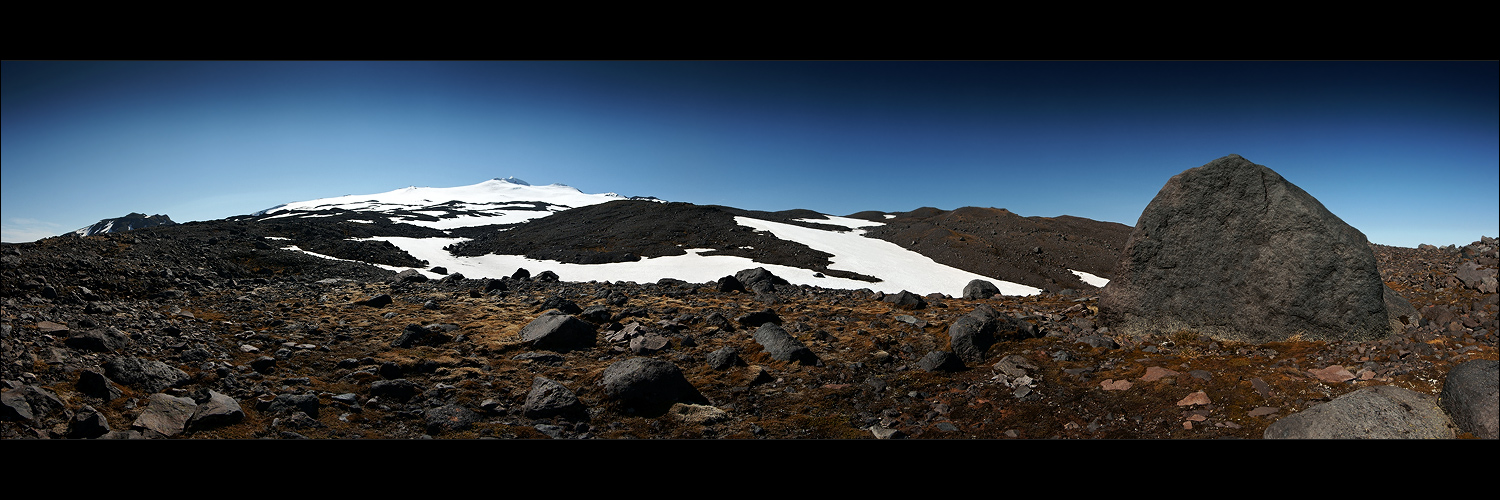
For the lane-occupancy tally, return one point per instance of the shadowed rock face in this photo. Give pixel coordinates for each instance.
(1233, 250)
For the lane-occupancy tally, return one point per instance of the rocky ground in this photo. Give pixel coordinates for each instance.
(206, 331)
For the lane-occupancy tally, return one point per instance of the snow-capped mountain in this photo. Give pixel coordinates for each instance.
(495, 201)
(493, 228)
(128, 222)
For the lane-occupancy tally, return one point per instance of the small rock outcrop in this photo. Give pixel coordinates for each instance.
(1233, 250)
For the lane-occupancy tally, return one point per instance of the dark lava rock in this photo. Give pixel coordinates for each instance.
(450, 418)
(940, 361)
(87, 423)
(95, 384)
(1376, 412)
(970, 336)
(98, 340)
(758, 318)
(217, 410)
(399, 389)
(980, 289)
(724, 358)
(550, 398)
(649, 385)
(1471, 396)
(782, 346)
(1233, 250)
(289, 403)
(559, 332)
(906, 300)
(146, 375)
(377, 301)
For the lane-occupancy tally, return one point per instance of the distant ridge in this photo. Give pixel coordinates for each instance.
(128, 222)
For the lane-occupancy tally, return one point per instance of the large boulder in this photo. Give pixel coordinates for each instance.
(1471, 395)
(1232, 250)
(1376, 412)
(648, 385)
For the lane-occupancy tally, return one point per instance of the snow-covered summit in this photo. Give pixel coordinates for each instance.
(495, 201)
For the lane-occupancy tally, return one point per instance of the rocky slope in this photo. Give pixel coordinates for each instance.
(209, 331)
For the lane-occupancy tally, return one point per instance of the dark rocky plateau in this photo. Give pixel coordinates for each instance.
(110, 336)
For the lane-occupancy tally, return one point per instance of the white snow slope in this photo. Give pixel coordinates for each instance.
(495, 201)
(487, 202)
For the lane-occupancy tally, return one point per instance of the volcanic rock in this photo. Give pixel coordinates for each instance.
(1376, 412)
(558, 332)
(980, 289)
(648, 384)
(548, 398)
(1471, 396)
(782, 346)
(1233, 250)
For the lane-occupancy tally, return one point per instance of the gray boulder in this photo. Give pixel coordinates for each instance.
(449, 418)
(906, 300)
(1233, 250)
(166, 415)
(649, 385)
(144, 374)
(970, 336)
(217, 410)
(980, 289)
(549, 398)
(940, 361)
(559, 332)
(1471, 396)
(782, 346)
(1378, 412)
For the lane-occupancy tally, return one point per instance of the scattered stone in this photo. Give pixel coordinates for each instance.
(980, 289)
(1197, 398)
(87, 423)
(217, 410)
(166, 415)
(559, 332)
(758, 318)
(1154, 373)
(697, 414)
(782, 346)
(377, 301)
(724, 358)
(1333, 374)
(550, 398)
(906, 300)
(941, 361)
(399, 389)
(449, 418)
(1114, 385)
(971, 335)
(147, 375)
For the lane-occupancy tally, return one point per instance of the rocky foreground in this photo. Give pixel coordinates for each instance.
(207, 331)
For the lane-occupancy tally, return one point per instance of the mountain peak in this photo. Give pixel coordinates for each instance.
(130, 221)
(513, 180)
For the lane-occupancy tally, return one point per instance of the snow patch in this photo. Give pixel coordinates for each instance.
(1090, 279)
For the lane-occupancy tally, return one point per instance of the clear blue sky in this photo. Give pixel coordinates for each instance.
(1404, 151)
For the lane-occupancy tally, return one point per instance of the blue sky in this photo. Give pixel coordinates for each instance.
(1406, 152)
